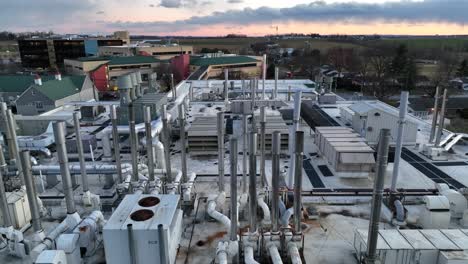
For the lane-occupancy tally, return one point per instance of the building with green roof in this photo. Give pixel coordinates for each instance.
(213, 67)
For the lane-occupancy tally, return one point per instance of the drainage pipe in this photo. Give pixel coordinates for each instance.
(262, 145)
(59, 133)
(399, 141)
(233, 189)
(441, 120)
(253, 182)
(25, 159)
(183, 143)
(220, 127)
(434, 115)
(149, 143)
(116, 140)
(166, 143)
(79, 146)
(382, 160)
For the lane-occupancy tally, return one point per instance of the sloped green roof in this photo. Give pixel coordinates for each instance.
(221, 60)
(18, 83)
(93, 59)
(132, 60)
(56, 90)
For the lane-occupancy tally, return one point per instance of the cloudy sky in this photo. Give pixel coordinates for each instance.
(252, 17)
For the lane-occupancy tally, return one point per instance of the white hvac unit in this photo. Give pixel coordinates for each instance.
(132, 230)
(19, 209)
(458, 202)
(453, 257)
(436, 213)
(52, 257)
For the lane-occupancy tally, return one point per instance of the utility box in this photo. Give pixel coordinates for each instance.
(134, 224)
(19, 209)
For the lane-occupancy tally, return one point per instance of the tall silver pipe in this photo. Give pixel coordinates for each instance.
(253, 182)
(191, 92)
(442, 119)
(149, 143)
(275, 175)
(79, 146)
(183, 142)
(377, 196)
(435, 115)
(243, 89)
(3, 198)
(11, 148)
(226, 87)
(59, 133)
(133, 142)
(131, 244)
(253, 92)
(173, 88)
(163, 247)
(262, 145)
(299, 152)
(399, 143)
(220, 127)
(294, 128)
(116, 140)
(264, 70)
(275, 92)
(31, 191)
(167, 144)
(14, 142)
(289, 93)
(233, 161)
(244, 153)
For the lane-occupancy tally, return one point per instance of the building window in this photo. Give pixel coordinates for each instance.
(39, 105)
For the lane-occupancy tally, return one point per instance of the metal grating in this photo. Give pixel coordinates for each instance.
(316, 117)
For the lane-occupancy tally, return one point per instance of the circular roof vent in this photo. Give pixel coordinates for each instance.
(141, 215)
(149, 201)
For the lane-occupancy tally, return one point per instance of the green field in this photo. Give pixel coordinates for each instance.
(454, 44)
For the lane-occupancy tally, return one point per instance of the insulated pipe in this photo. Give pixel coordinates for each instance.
(253, 182)
(31, 191)
(262, 145)
(14, 141)
(166, 143)
(295, 127)
(244, 153)
(220, 127)
(233, 189)
(299, 149)
(275, 92)
(294, 253)
(79, 146)
(400, 211)
(49, 241)
(275, 174)
(376, 207)
(441, 120)
(183, 143)
(59, 134)
(265, 209)
(131, 245)
(116, 140)
(274, 254)
(264, 70)
(133, 142)
(3, 199)
(249, 255)
(434, 115)
(149, 143)
(211, 210)
(399, 141)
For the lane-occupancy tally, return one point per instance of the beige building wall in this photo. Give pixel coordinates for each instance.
(165, 52)
(115, 51)
(77, 67)
(123, 35)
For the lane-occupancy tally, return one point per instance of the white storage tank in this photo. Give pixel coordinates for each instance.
(458, 202)
(143, 213)
(436, 213)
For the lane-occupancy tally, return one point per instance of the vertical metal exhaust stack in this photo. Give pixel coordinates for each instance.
(226, 87)
(133, 142)
(275, 93)
(31, 191)
(264, 70)
(292, 140)
(244, 153)
(233, 161)
(262, 145)
(173, 88)
(220, 127)
(376, 207)
(275, 175)
(299, 152)
(399, 143)
(440, 129)
(166, 143)
(435, 115)
(3, 198)
(253, 182)
(116, 140)
(14, 143)
(149, 143)
(59, 133)
(79, 146)
(183, 142)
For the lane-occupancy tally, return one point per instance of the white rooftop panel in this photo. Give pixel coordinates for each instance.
(439, 240)
(381, 244)
(394, 239)
(457, 236)
(417, 240)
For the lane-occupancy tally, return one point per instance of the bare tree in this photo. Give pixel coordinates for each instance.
(446, 69)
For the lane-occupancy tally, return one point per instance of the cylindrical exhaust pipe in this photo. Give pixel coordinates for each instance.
(149, 143)
(299, 152)
(440, 129)
(116, 140)
(275, 175)
(220, 127)
(233, 161)
(244, 153)
(7, 222)
(7, 135)
(191, 92)
(183, 142)
(59, 133)
(382, 160)
(275, 93)
(264, 70)
(133, 142)
(294, 128)
(262, 145)
(399, 143)
(167, 144)
(163, 247)
(14, 142)
(31, 191)
(131, 244)
(435, 115)
(79, 146)
(173, 88)
(253, 182)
